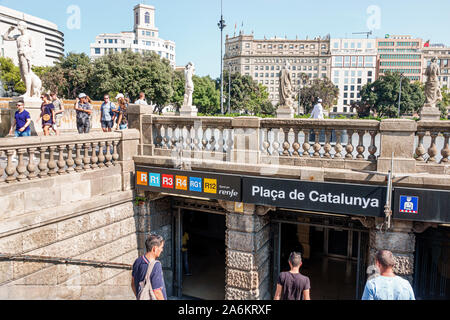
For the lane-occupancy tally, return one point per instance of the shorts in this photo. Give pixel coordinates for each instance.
(84, 126)
(123, 126)
(26, 133)
(107, 124)
(57, 124)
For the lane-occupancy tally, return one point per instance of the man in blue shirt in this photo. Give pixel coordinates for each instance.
(108, 115)
(154, 246)
(387, 286)
(21, 122)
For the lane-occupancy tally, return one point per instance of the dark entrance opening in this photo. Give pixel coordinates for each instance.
(205, 255)
(334, 252)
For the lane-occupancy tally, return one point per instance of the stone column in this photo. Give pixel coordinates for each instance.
(247, 254)
(127, 149)
(401, 241)
(397, 137)
(246, 148)
(140, 118)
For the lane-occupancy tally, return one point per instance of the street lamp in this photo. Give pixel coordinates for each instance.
(221, 26)
(229, 88)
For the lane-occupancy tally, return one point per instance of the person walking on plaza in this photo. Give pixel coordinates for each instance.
(122, 121)
(317, 112)
(141, 99)
(59, 111)
(107, 114)
(293, 285)
(21, 123)
(147, 272)
(387, 286)
(84, 110)
(47, 114)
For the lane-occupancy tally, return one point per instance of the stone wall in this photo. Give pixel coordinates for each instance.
(86, 216)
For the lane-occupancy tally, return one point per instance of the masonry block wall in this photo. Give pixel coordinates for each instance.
(86, 216)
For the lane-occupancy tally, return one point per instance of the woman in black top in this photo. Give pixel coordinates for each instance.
(47, 114)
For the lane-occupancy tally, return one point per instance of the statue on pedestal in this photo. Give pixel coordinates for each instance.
(285, 88)
(189, 86)
(432, 86)
(24, 41)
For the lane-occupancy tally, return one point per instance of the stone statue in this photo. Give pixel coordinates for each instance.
(189, 87)
(432, 87)
(285, 88)
(25, 50)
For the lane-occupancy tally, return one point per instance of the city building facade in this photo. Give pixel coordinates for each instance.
(402, 54)
(263, 59)
(442, 52)
(143, 38)
(353, 66)
(48, 41)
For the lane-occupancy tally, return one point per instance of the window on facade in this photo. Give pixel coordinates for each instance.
(147, 18)
(347, 61)
(97, 50)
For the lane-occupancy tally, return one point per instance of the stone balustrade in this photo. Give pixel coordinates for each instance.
(32, 158)
(432, 146)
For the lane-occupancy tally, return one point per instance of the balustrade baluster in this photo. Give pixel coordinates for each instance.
(230, 142)
(31, 164)
(94, 157)
(70, 162)
(158, 136)
(87, 158)
(317, 147)
(286, 144)
(204, 138)
(306, 146)
(338, 146)
(373, 148)
(446, 150)
(79, 158)
(52, 166)
(2, 171)
(115, 155)
(101, 155)
(296, 145)
(349, 148)
(61, 162)
(220, 142)
(327, 147)
(108, 154)
(432, 151)
(21, 167)
(361, 149)
(166, 137)
(10, 168)
(173, 139)
(42, 163)
(420, 151)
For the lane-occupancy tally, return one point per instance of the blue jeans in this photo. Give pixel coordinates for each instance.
(26, 133)
(185, 262)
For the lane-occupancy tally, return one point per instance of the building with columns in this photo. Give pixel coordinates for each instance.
(143, 38)
(263, 59)
(48, 41)
(353, 66)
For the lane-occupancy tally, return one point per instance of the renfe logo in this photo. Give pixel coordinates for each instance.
(142, 178)
(181, 183)
(211, 186)
(195, 184)
(155, 180)
(167, 181)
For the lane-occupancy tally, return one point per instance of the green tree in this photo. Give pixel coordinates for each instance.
(318, 88)
(131, 73)
(206, 97)
(178, 84)
(247, 96)
(10, 76)
(382, 96)
(444, 105)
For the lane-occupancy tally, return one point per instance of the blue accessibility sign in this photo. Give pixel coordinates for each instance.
(409, 204)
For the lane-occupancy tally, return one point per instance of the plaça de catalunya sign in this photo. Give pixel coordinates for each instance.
(314, 196)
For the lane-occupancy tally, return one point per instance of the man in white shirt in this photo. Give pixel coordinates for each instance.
(317, 113)
(141, 99)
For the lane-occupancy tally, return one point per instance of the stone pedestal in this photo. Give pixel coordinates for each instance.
(430, 113)
(247, 255)
(285, 112)
(188, 111)
(33, 106)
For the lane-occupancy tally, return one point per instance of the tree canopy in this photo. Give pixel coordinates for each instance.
(318, 88)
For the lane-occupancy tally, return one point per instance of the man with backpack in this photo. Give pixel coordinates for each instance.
(147, 281)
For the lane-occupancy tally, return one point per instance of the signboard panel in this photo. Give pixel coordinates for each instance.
(338, 198)
(422, 205)
(189, 183)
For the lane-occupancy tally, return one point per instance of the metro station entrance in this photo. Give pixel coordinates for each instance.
(334, 250)
(201, 260)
